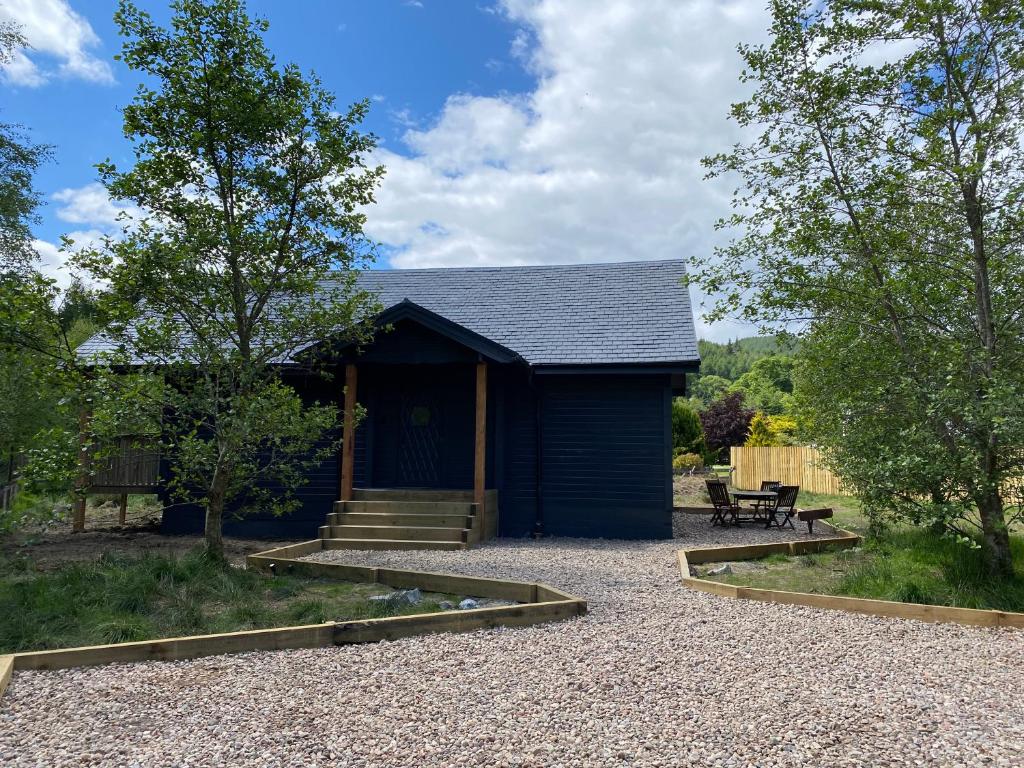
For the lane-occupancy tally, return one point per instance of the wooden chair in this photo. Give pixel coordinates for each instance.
(766, 485)
(780, 514)
(722, 502)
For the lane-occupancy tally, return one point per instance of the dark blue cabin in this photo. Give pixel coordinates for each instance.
(579, 365)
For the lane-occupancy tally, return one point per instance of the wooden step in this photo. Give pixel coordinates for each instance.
(390, 544)
(398, 507)
(410, 494)
(412, 519)
(392, 532)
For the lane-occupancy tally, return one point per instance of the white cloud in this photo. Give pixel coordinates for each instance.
(53, 30)
(601, 162)
(90, 205)
(53, 261)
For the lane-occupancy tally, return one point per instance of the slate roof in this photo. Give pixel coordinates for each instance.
(623, 313)
(626, 313)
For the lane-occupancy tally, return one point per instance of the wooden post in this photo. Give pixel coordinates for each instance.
(82, 481)
(480, 457)
(348, 446)
(122, 514)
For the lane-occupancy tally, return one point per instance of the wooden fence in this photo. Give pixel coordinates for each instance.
(10, 479)
(8, 493)
(790, 465)
(133, 466)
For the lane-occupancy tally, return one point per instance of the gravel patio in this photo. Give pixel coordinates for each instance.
(656, 675)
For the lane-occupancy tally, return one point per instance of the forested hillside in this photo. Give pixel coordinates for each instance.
(743, 394)
(734, 358)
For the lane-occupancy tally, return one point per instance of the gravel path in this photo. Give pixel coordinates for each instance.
(656, 675)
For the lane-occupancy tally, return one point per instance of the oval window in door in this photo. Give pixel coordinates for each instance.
(420, 416)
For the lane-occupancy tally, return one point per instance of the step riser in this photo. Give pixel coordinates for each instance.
(381, 544)
(402, 507)
(402, 494)
(392, 532)
(409, 521)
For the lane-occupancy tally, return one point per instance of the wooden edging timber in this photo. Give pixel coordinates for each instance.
(845, 539)
(6, 669)
(536, 604)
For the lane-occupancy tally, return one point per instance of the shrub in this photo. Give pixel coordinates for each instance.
(687, 461)
(726, 423)
(761, 434)
(784, 428)
(687, 432)
(767, 430)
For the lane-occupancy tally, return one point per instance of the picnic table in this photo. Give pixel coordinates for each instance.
(759, 498)
(754, 495)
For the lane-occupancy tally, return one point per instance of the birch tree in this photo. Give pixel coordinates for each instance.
(247, 192)
(878, 212)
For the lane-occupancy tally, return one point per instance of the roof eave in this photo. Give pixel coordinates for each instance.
(659, 367)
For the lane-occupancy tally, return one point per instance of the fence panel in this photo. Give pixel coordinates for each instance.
(134, 466)
(8, 493)
(791, 465)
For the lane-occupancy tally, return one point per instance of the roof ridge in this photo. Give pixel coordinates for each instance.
(514, 267)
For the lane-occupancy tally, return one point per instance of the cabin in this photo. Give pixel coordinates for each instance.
(509, 401)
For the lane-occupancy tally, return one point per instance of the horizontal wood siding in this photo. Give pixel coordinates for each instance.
(517, 485)
(315, 497)
(606, 466)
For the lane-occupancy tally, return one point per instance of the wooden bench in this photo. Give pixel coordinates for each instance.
(810, 515)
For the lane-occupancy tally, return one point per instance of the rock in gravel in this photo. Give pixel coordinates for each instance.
(400, 597)
(656, 675)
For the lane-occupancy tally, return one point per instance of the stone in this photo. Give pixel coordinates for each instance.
(722, 570)
(468, 603)
(401, 597)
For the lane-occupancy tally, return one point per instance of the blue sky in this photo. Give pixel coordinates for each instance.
(404, 57)
(513, 131)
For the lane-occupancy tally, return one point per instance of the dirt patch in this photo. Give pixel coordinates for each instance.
(51, 546)
(690, 490)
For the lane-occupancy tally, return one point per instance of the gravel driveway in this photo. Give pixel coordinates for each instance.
(655, 675)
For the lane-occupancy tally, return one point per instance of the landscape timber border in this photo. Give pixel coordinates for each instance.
(535, 604)
(845, 539)
(6, 669)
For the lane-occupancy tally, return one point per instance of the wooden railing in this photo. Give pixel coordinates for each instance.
(10, 479)
(790, 465)
(8, 493)
(132, 466)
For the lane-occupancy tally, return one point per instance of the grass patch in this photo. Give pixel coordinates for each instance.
(908, 566)
(122, 598)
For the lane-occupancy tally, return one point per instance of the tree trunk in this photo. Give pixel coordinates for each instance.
(215, 514)
(995, 534)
